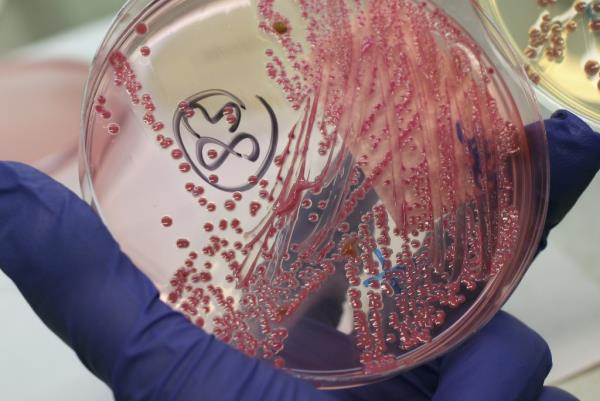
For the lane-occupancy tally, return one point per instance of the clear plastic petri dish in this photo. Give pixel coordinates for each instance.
(345, 189)
(559, 43)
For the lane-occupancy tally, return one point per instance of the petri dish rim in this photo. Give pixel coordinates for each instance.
(488, 302)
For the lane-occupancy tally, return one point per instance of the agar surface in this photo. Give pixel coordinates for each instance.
(549, 36)
(411, 212)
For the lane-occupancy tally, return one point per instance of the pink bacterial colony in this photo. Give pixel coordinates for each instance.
(400, 89)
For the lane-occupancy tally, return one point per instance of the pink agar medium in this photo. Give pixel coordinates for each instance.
(412, 212)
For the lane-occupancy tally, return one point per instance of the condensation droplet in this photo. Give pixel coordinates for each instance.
(183, 243)
(212, 154)
(114, 128)
(177, 154)
(280, 27)
(344, 227)
(592, 67)
(141, 28)
(254, 208)
(229, 205)
(157, 126)
(223, 224)
(197, 191)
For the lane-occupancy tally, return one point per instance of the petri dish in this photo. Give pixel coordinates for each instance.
(345, 189)
(559, 43)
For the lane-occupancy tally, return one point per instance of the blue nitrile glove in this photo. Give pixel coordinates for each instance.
(73, 274)
(574, 161)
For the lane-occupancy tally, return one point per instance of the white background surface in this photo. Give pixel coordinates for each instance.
(559, 297)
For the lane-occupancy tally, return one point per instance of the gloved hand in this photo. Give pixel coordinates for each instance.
(73, 274)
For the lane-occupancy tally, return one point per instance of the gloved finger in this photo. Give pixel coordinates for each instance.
(73, 274)
(416, 385)
(505, 361)
(555, 394)
(574, 160)
(574, 150)
(570, 152)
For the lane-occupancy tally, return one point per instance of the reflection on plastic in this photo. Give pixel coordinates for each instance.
(39, 112)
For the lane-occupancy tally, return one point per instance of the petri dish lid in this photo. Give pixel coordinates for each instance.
(346, 189)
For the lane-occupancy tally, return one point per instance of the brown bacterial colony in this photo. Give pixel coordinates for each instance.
(413, 211)
(548, 38)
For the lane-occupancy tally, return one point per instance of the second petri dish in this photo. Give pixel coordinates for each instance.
(559, 43)
(346, 189)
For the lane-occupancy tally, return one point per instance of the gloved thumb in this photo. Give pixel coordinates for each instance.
(574, 150)
(75, 277)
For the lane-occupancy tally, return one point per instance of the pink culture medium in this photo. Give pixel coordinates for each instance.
(344, 188)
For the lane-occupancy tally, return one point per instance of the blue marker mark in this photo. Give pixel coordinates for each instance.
(590, 12)
(372, 279)
(393, 281)
(459, 132)
(379, 255)
(472, 146)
